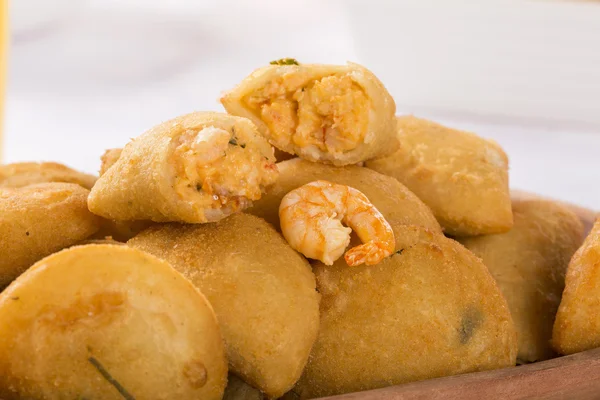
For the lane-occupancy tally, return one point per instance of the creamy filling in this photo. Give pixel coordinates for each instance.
(227, 172)
(329, 115)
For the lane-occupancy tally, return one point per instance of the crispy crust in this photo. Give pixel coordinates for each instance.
(430, 310)
(28, 173)
(38, 220)
(529, 264)
(398, 205)
(577, 324)
(94, 310)
(141, 184)
(461, 176)
(263, 293)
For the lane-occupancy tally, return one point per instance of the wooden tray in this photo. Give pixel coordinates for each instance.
(572, 377)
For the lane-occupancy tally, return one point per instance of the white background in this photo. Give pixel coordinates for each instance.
(89, 75)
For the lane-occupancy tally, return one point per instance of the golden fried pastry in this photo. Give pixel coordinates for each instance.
(529, 264)
(110, 322)
(461, 176)
(430, 310)
(335, 114)
(28, 173)
(120, 231)
(38, 220)
(577, 324)
(397, 204)
(237, 389)
(196, 168)
(108, 159)
(263, 293)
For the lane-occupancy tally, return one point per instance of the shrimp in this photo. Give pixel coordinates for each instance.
(312, 218)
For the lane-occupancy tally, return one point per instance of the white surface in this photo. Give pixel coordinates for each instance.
(115, 70)
(534, 59)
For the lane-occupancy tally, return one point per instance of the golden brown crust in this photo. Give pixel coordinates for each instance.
(379, 138)
(108, 159)
(263, 293)
(430, 310)
(91, 313)
(577, 324)
(398, 205)
(462, 177)
(143, 184)
(28, 173)
(38, 220)
(529, 264)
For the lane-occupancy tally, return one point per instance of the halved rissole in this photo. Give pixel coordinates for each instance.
(335, 114)
(196, 168)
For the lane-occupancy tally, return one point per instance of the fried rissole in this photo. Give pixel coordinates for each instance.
(462, 177)
(38, 220)
(110, 322)
(430, 310)
(199, 167)
(263, 293)
(577, 324)
(21, 174)
(529, 264)
(398, 205)
(334, 114)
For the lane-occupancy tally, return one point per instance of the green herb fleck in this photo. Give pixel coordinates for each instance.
(233, 141)
(400, 251)
(106, 375)
(285, 61)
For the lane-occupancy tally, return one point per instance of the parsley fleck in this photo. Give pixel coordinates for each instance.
(233, 141)
(106, 375)
(285, 61)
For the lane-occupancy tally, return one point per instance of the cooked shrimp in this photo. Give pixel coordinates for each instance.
(312, 218)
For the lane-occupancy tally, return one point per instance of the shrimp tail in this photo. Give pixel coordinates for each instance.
(369, 253)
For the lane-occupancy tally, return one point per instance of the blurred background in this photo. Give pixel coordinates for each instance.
(87, 75)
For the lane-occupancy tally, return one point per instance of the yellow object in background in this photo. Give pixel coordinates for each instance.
(3, 62)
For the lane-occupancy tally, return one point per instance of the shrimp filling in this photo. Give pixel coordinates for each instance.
(329, 115)
(225, 170)
(311, 218)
